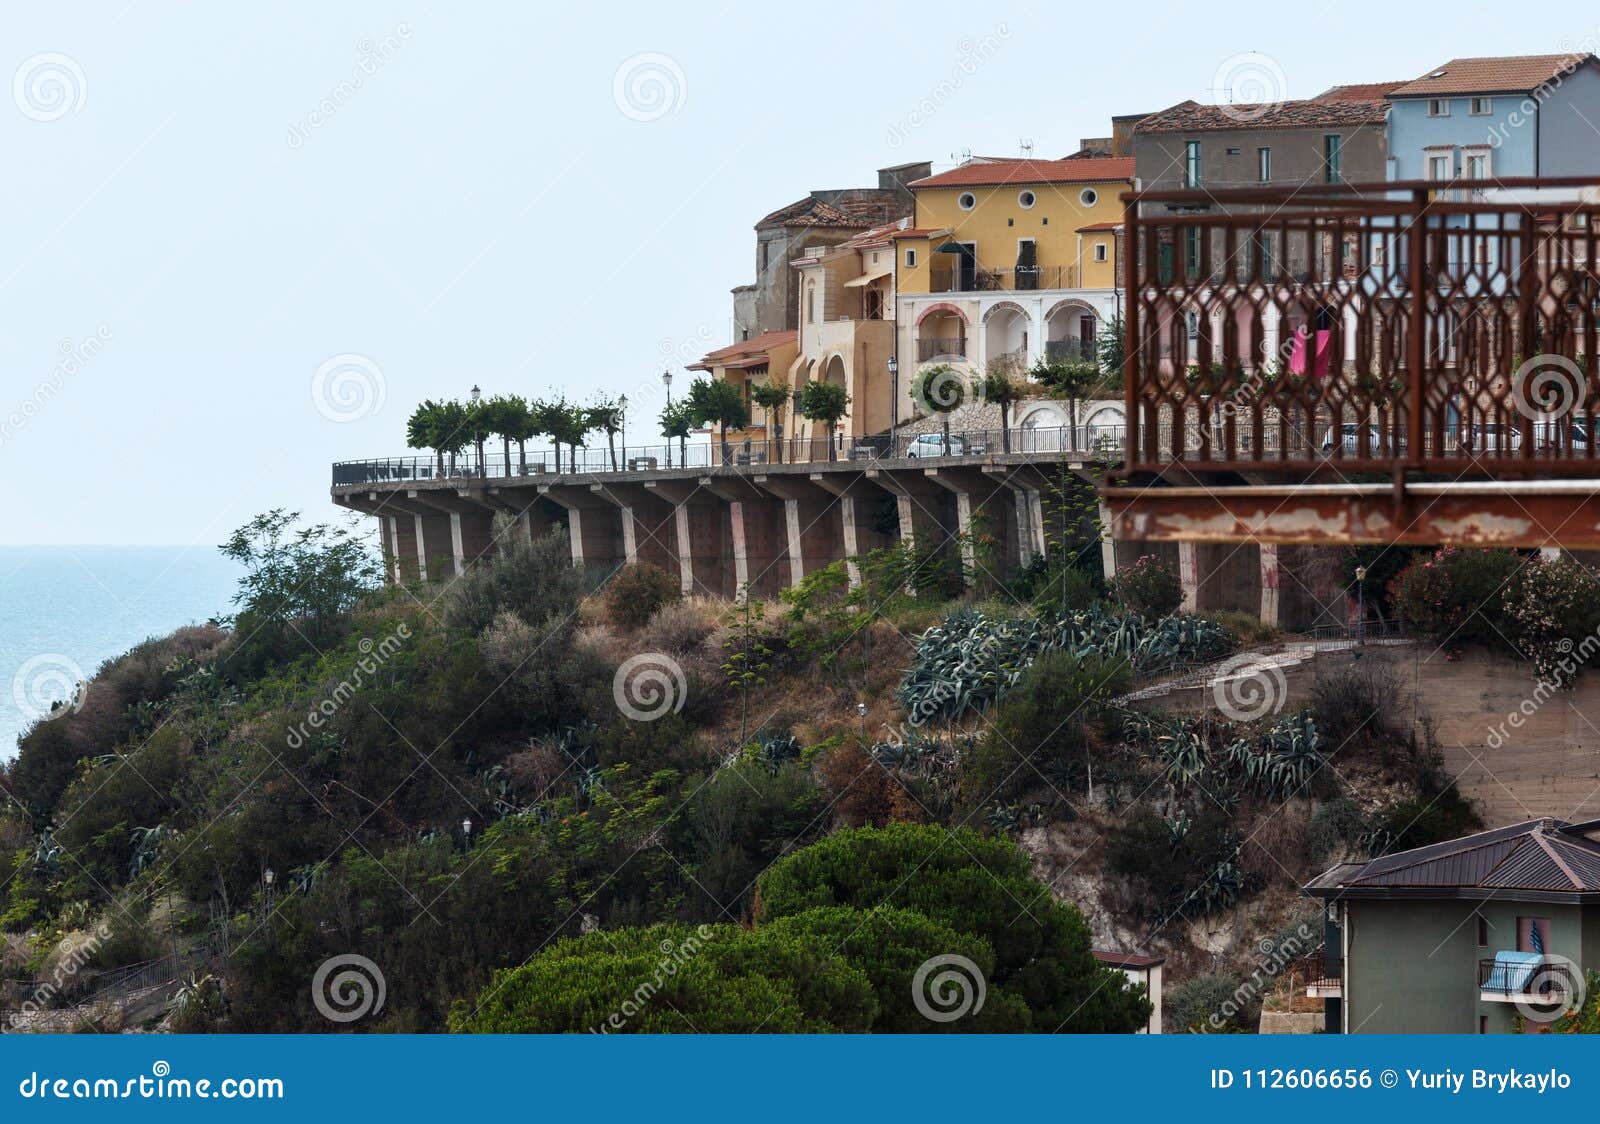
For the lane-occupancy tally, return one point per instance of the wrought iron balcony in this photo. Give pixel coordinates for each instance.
(941, 347)
(1523, 977)
(1018, 279)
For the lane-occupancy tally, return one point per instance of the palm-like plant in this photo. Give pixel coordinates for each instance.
(998, 385)
(824, 402)
(606, 416)
(940, 389)
(677, 419)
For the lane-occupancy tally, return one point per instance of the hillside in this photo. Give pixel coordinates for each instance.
(491, 792)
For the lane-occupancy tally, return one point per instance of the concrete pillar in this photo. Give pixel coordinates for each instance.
(753, 533)
(422, 548)
(646, 522)
(391, 547)
(1270, 576)
(1189, 575)
(855, 495)
(1108, 545)
(594, 526)
(978, 494)
(457, 550)
(701, 527)
(813, 535)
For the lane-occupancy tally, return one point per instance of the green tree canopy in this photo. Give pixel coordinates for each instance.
(718, 402)
(825, 402)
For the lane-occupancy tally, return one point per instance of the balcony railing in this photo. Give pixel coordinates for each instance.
(1019, 279)
(1102, 443)
(1510, 977)
(1413, 332)
(941, 347)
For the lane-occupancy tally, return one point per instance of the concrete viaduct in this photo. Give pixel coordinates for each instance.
(760, 528)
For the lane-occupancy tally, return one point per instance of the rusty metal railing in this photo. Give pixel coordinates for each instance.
(1393, 328)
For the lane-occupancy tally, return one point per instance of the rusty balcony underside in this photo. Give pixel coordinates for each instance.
(1397, 362)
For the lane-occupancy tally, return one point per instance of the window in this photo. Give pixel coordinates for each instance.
(1191, 251)
(1191, 164)
(765, 246)
(1483, 931)
(1483, 1024)
(1476, 164)
(966, 201)
(1026, 200)
(811, 305)
(1481, 107)
(1234, 151)
(911, 259)
(1264, 165)
(1089, 197)
(1099, 251)
(1332, 147)
(1533, 934)
(1441, 167)
(1438, 107)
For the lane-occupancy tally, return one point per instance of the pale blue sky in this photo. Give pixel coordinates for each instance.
(482, 210)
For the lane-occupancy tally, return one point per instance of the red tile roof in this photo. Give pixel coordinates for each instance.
(735, 353)
(812, 211)
(1099, 226)
(1320, 112)
(1512, 74)
(920, 232)
(877, 236)
(986, 173)
(1365, 91)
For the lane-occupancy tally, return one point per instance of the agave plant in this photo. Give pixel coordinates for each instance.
(146, 842)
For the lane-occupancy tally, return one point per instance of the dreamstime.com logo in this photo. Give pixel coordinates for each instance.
(348, 987)
(1547, 387)
(649, 686)
(649, 86)
(49, 686)
(47, 87)
(1550, 990)
(157, 1085)
(348, 387)
(1248, 687)
(948, 987)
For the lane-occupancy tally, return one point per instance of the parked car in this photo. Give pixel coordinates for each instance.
(1350, 441)
(932, 445)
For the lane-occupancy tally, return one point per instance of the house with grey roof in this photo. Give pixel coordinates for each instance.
(1485, 934)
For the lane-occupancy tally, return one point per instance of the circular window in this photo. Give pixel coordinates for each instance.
(967, 201)
(1026, 199)
(1089, 197)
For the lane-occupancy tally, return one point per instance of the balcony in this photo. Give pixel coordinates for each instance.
(1022, 279)
(1323, 400)
(1528, 977)
(1323, 976)
(941, 347)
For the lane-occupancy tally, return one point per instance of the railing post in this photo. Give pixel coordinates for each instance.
(1416, 343)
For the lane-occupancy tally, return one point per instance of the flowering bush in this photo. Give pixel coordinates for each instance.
(1552, 612)
(1149, 587)
(1453, 595)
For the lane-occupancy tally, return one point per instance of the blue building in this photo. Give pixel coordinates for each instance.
(1498, 118)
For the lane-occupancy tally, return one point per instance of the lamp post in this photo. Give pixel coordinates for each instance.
(666, 381)
(475, 397)
(861, 712)
(466, 832)
(894, 402)
(1361, 609)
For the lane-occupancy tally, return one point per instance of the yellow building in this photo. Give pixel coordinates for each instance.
(745, 364)
(1011, 260)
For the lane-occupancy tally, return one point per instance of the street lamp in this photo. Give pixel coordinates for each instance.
(894, 401)
(268, 876)
(1361, 609)
(476, 395)
(666, 381)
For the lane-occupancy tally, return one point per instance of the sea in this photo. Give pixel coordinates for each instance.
(66, 609)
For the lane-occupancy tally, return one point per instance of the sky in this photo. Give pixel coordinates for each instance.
(244, 241)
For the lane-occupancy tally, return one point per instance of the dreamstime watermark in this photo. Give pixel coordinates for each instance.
(649, 686)
(348, 987)
(49, 686)
(158, 1084)
(1276, 956)
(373, 657)
(75, 356)
(948, 987)
(348, 387)
(1547, 387)
(76, 959)
(673, 957)
(1525, 111)
(1547, 990)
(371, 56)
(1249, 686)
(970, 57)
(649, 86)
(1251, 86)
(49, 86)
(1572, 660)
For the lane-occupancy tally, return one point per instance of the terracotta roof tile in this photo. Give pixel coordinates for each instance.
(755, 346)
(812, 211)
(1320, 112)
(1511, 74)
(1365, 91)
(1099, 226)
(986, 173)
(920, 232)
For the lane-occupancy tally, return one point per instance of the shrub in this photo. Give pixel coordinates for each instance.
(1216, 1003)
(535, 580)
(1148, 587)
(1552, 606)
(1356, 703)
(1420, 821)
(1051, 724)
(1186, 866)
(1454, 594)
(1336, 824)
(637, 592)
(683, 626)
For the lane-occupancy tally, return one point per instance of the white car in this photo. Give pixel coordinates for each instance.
(932, 445)
(1350, 441)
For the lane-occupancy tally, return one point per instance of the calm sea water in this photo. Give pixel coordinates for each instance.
(64, 609)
